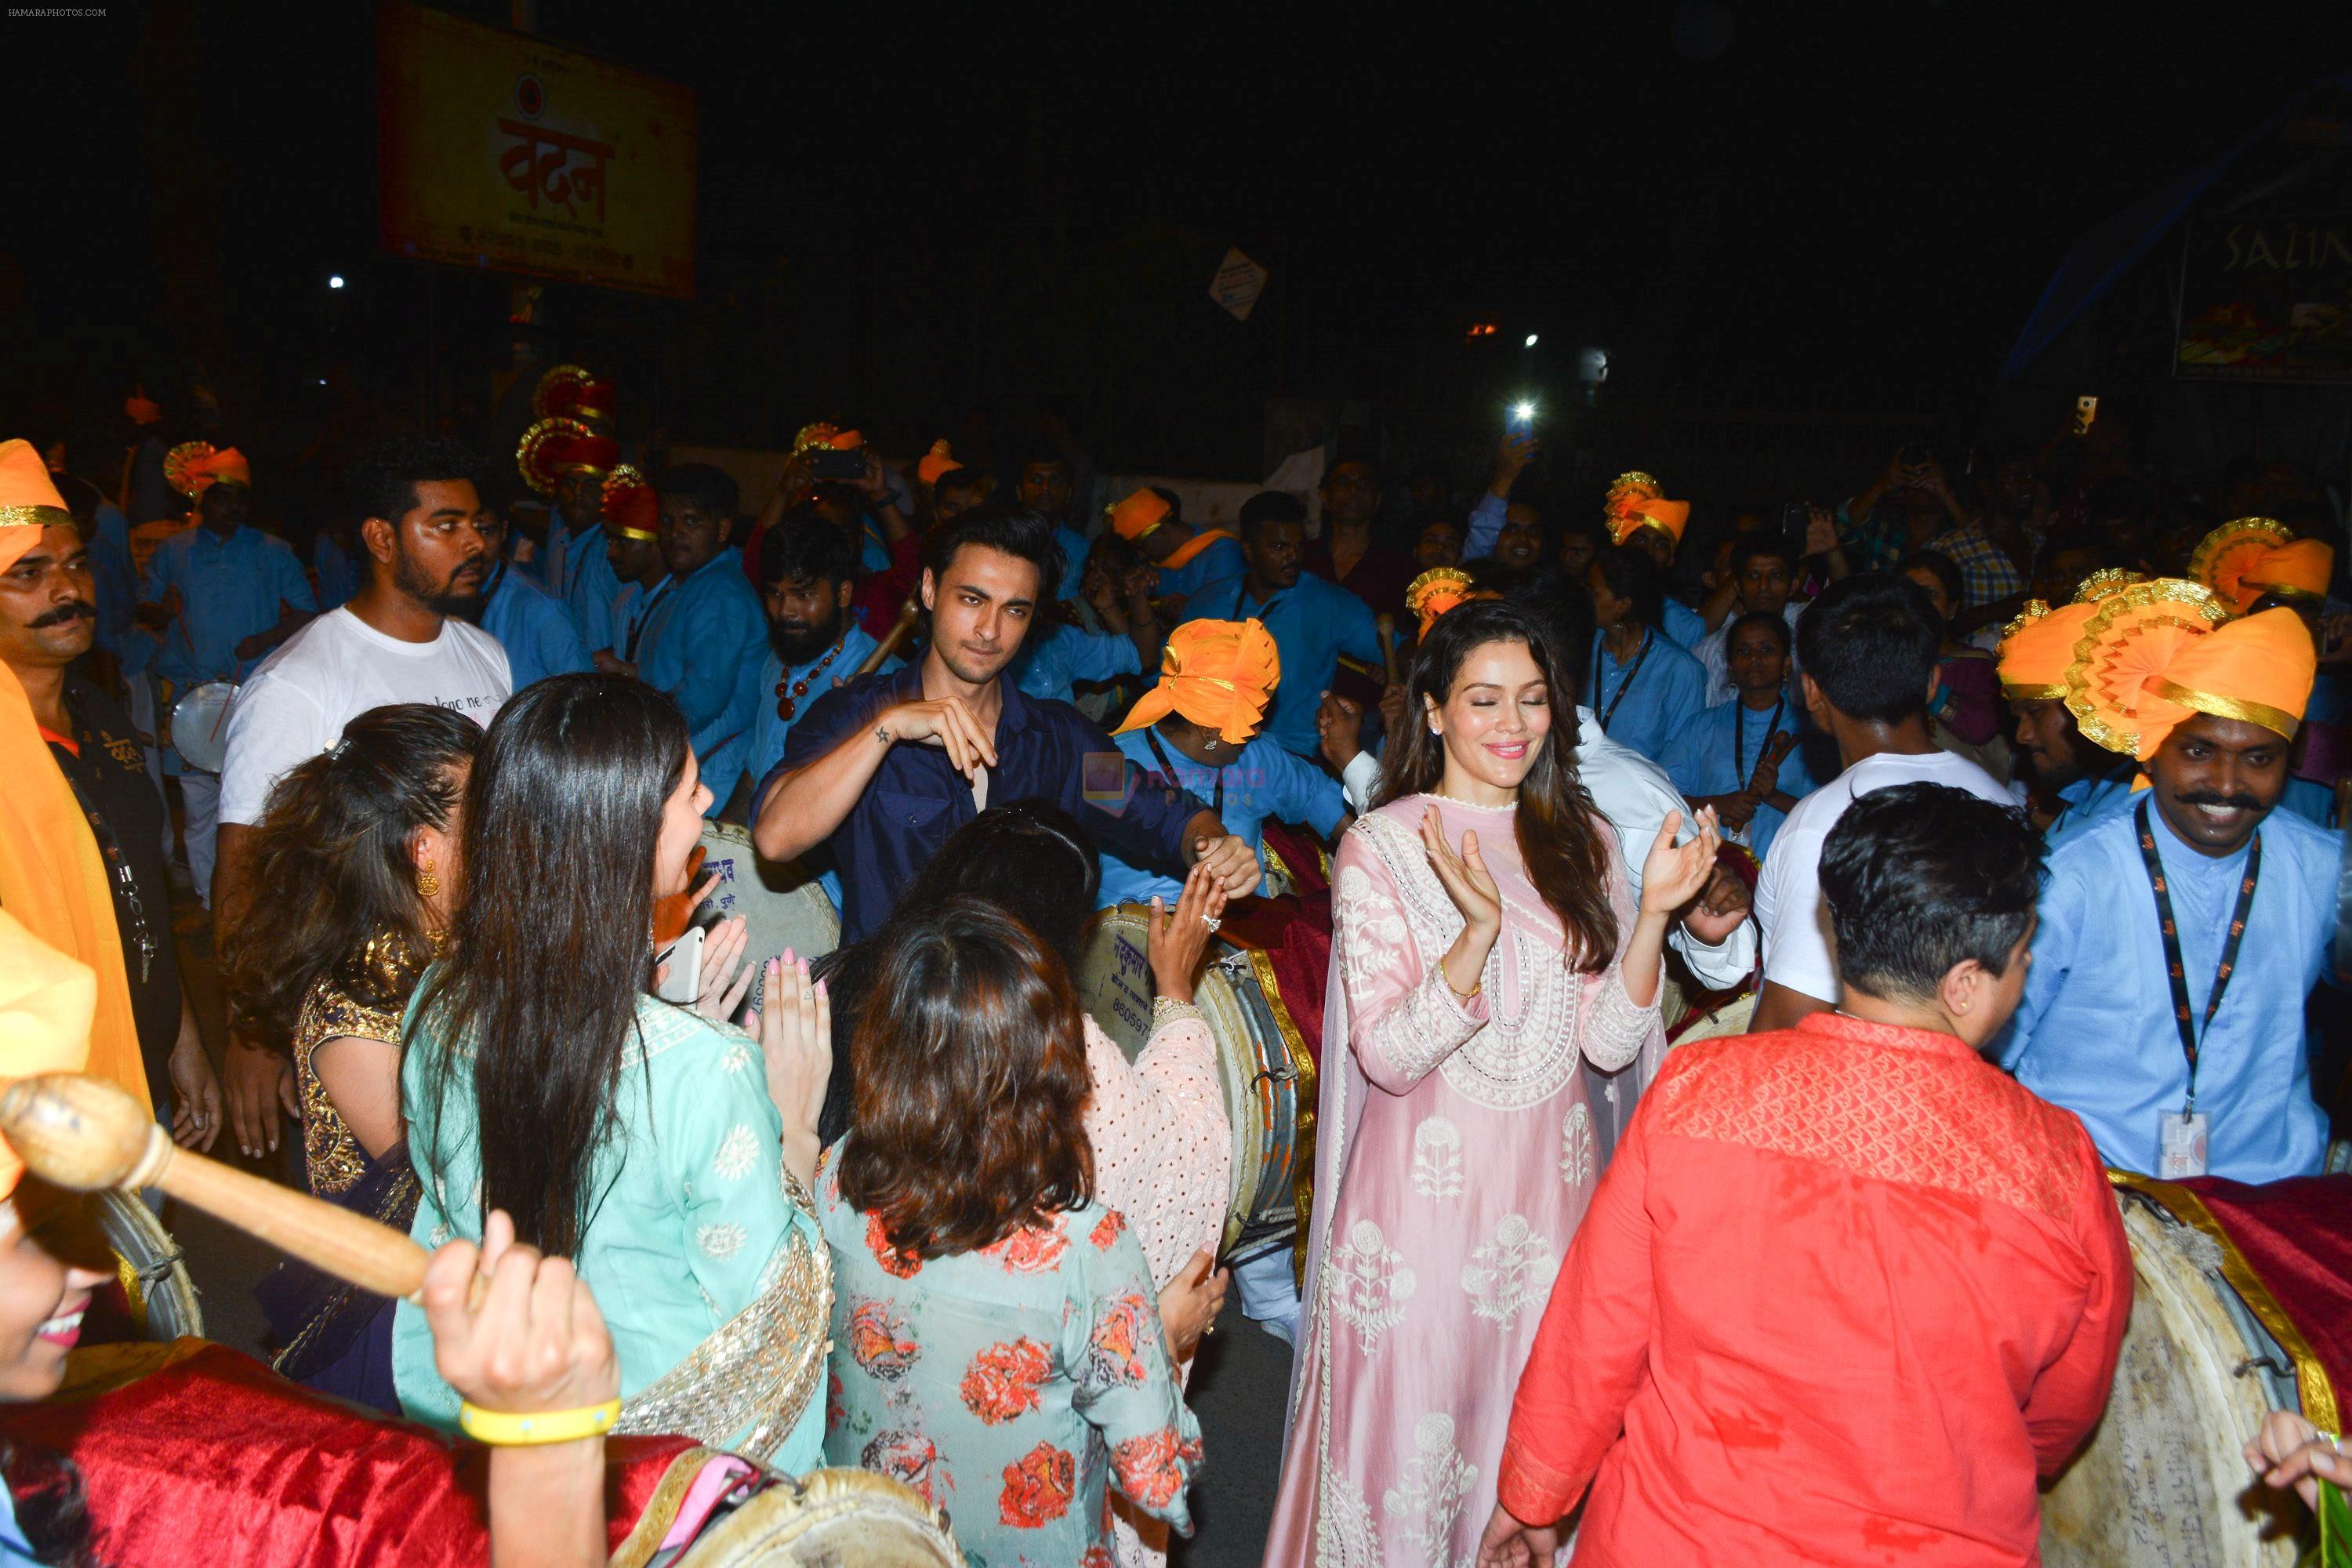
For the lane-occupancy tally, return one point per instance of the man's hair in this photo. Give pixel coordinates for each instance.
(1756, 541)
(1870, 642)
(1631, 574)
(1564, 607)
(712, 490)
(1270, 506)
(961, 479)
(1009, 529)
(1756, 618)
(1922, 877)
(383, 481)
(1039, 456)
(805, 543)
(1944, 569)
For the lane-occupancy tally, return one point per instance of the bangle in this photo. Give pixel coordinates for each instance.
(502, 1430)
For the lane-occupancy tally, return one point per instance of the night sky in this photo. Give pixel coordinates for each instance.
(907, 216)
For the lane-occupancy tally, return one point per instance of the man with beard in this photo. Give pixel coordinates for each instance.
(1313, 620)
(401, 639)
(217, 599)
(2172, 1020)
(2082, 782)
(48, 619)
(808, 573)
(703, 625)
(883, 769)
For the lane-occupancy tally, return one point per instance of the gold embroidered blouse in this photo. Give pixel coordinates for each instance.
(335, 1158)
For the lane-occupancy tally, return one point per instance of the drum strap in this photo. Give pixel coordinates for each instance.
(118, 868)
(2173, 967)
(1169, 769)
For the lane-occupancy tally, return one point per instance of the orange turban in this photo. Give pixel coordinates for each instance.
(631, 509)
(2258, 670)
(1435, 591)
(29, 501)
(2131, 637)
(2299, 569)
(1218, 674)
(47, 1002)
(227, 467)
(1137, 515)
(936, 462)
(2037, 648)
(1639, 512)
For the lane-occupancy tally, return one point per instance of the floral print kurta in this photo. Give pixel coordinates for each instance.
(1011, 1386)
(1458, 1154)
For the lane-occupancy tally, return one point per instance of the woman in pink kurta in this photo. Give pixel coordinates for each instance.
(1458, 1149)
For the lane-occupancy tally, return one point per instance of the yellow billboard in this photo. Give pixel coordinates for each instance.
(497, 151)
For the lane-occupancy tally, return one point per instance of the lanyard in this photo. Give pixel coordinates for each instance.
(118, 870)
(2172, 962)
(1639, 658)
(1739, 735)
(646, 613)
(1264, 610)
(1168, 768)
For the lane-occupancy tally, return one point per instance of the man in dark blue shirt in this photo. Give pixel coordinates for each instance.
(885, 767)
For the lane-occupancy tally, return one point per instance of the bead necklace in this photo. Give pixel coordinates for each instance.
(789, 702)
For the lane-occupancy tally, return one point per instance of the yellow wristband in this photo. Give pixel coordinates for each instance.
(506, 1431)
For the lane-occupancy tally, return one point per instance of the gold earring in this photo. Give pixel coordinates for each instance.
(428, 886)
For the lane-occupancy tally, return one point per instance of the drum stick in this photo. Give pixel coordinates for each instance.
(85, 1134)
(901, 630)
(1391, 654)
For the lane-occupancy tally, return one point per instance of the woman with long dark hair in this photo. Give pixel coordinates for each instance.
(358, 847)
(1485, 944)
(995, 1341)
(666, 1154)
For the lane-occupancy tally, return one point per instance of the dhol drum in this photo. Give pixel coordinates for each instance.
(828, 1519)
(197, 727)
(1258, 1063)
(154, 1277)
(2163, 1482)
(783, 907)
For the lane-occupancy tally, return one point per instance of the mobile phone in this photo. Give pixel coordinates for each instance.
(829, 464)
(1523, 414)
(1797, 526)
(2086, 409)
(684, 957)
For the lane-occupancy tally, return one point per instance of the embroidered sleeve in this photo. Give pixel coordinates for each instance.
(1404, 1020)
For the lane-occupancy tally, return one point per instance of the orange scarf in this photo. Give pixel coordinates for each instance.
(1183, 554)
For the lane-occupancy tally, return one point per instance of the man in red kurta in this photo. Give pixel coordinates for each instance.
(1846, 1288)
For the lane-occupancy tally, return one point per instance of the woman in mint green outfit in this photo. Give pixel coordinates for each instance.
(669, 1154)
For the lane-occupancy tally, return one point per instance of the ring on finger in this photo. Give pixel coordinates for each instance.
(1213, 922)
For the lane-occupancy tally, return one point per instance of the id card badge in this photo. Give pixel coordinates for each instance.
(2180, 1144)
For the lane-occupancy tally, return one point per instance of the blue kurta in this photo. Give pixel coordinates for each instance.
(1262, 781)
(1683, 624)
(533, 627)
(118, 585)
(1223, 559)
(1312, 622)
(2096, 1031)
(690, 1208)
(1051, 662)
(230, 589)
(1699, 760)
(1669, 693)
(591, 589)
(696, 642)
(338, 574)
(2088, 800)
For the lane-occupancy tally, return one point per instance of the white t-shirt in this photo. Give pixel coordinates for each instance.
(1789, 902)
(331, 671)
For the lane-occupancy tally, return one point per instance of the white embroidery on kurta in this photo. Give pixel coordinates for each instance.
(1507, 1273)
(737, 1059)
(721, 1242)
(1345, 1533)
(1437, 1159)
(738, 1152)
(1370, 1283)
(1427, 1500)
(1576, 1147)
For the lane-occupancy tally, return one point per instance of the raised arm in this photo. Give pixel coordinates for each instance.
(1406, 1013)
(824, 774)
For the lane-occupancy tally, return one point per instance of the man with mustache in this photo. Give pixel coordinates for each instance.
(2179, 938)
(217, 599)
(49, 617)
(401, 639)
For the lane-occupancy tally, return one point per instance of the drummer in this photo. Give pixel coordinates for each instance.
(47, 620)
(1846, 1286)
(1197, 732)
(217, 599)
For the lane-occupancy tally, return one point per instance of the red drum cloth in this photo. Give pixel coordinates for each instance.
(216, 1459)
(1294, 932)
(2297, 1233)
